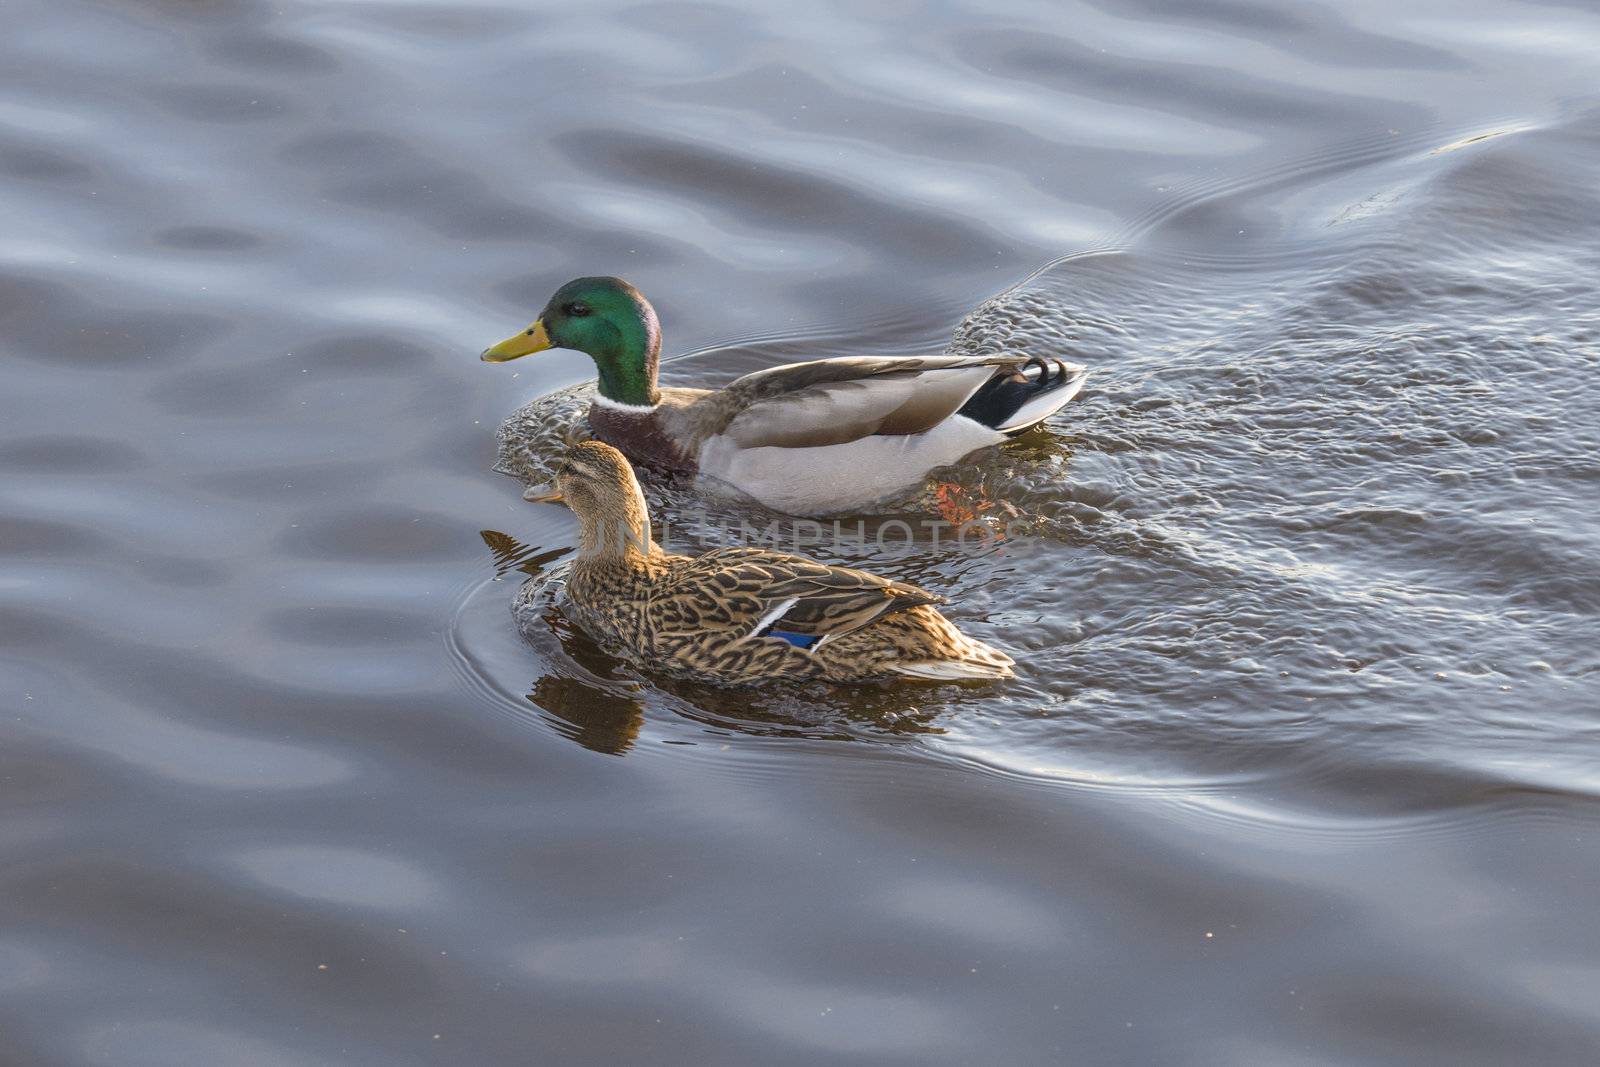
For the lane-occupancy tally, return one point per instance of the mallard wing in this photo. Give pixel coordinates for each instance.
(750, 592)
(832, 401)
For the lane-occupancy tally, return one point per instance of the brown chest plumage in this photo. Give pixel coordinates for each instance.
(641, 437)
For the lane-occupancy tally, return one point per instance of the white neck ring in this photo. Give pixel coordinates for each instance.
(617, 405)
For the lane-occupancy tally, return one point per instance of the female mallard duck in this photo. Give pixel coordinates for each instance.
(812, 438)
(742, 615)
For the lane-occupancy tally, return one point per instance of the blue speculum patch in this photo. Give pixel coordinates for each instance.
(797, 640)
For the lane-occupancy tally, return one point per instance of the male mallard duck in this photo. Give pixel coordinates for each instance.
(825, 436)
(742, 615)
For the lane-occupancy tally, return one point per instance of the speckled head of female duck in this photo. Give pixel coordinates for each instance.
(596, 482)
(611, 321)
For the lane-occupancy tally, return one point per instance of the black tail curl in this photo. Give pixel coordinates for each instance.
(1001, 397)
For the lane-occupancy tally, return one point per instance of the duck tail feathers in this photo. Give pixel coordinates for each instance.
(977, 661)
(951, 670)
(1016, 402)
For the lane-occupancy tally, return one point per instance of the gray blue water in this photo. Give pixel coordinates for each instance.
(1302, 762)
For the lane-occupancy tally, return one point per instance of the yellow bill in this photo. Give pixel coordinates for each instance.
(533, 339)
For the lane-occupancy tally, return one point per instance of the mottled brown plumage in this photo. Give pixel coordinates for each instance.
(713, 617)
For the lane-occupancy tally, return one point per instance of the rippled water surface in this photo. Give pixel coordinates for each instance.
(1300, 765)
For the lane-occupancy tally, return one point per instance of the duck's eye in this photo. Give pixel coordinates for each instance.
(576, 309)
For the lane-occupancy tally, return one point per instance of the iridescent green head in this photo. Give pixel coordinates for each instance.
(608, 319)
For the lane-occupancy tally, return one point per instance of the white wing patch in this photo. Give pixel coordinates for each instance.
(768, 619)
